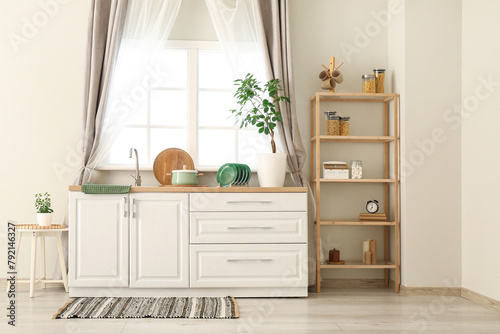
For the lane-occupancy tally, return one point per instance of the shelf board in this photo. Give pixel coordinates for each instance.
(355, 180)
(354, 97)
(354, 139)
(360, 265)
(355, 223)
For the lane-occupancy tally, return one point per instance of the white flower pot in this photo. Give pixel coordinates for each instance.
(44, 219)
(271, 169)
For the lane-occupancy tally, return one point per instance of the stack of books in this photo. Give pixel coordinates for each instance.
(372, 217)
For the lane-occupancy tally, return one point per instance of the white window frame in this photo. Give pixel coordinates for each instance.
(192, 89)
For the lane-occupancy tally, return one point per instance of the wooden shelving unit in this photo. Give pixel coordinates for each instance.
(316, 168)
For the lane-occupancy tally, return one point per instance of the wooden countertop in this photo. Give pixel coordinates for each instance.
(209, 189)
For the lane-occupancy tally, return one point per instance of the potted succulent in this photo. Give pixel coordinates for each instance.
(44, 212)
(258, 106)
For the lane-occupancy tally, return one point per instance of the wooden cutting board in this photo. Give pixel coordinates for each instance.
(169, 160)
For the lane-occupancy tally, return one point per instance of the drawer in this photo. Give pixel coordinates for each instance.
(270, 265)
(248, 202)
(248, 227)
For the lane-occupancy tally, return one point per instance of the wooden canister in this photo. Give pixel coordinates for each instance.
(334, 255)
(368, 258)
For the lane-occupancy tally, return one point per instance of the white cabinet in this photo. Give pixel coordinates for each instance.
(146, 233)
(172, 242)
(159, 245)
(98, 244)
(249, 240)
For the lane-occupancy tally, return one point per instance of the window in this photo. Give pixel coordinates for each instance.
(188, 103)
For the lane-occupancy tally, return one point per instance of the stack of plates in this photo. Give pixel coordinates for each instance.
(233, 174)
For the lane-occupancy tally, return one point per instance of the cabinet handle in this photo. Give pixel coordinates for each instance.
(133, 207)
(249, 227)
(249, 260)
(249, 202)
(124, 206)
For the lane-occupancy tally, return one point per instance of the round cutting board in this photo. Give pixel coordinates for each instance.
(169, 160)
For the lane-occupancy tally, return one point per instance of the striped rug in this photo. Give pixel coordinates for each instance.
(149, 307)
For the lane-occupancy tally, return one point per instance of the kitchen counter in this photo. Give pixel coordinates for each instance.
(209, 189)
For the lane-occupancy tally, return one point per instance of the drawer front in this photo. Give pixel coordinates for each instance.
(271, 265)
(248, 227)
(248, 202)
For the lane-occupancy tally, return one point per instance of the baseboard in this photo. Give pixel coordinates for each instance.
(480, 299)
(3, 282)
(430, 291)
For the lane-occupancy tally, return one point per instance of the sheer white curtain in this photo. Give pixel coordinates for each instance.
(239, 28)
(147, 26)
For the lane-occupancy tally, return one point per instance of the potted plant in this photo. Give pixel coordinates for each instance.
(258, 106)
(44, 212)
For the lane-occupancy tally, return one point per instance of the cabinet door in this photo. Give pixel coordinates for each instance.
(159, 240)
(98, 240)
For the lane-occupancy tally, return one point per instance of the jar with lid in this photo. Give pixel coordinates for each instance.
(332, 123)
(368, 83)
(344, 126)
(379, 79)
(356, 169)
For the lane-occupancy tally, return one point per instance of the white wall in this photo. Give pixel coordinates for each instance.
(480, 154)
(431, 149)
(41, 89)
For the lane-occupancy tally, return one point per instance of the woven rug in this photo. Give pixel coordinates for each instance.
(149, 307)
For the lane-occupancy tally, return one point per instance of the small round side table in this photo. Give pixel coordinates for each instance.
(41, 232)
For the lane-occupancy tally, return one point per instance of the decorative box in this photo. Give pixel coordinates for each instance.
(335, 170)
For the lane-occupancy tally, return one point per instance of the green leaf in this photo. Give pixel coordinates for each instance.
(261, 130)
(266, 130)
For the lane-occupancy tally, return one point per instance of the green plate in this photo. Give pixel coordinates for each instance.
(227, 174)
(245, 179)
(249, 173)
(240, 175)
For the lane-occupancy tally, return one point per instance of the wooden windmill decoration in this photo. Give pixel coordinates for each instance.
(331, 76)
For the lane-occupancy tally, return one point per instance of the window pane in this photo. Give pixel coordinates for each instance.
(171, 70)
(129, 137)
(168, 107)
(213, 108)
(214, 70)
(161, 139)
(250, 144)
(216, 147)
(138, 112)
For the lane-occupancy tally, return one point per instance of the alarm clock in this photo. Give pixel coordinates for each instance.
(372, 206)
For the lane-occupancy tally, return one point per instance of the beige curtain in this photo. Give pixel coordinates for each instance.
(106, 21)
(105, 30)
(275, 18)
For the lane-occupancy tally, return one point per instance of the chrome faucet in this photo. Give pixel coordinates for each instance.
(137, 177)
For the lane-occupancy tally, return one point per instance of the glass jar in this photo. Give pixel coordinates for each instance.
(356, 169)
(344, 126)
(332, 123)
(379, 80)
(368, 83)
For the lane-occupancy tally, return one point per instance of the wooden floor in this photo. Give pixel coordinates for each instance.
(333, 311)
